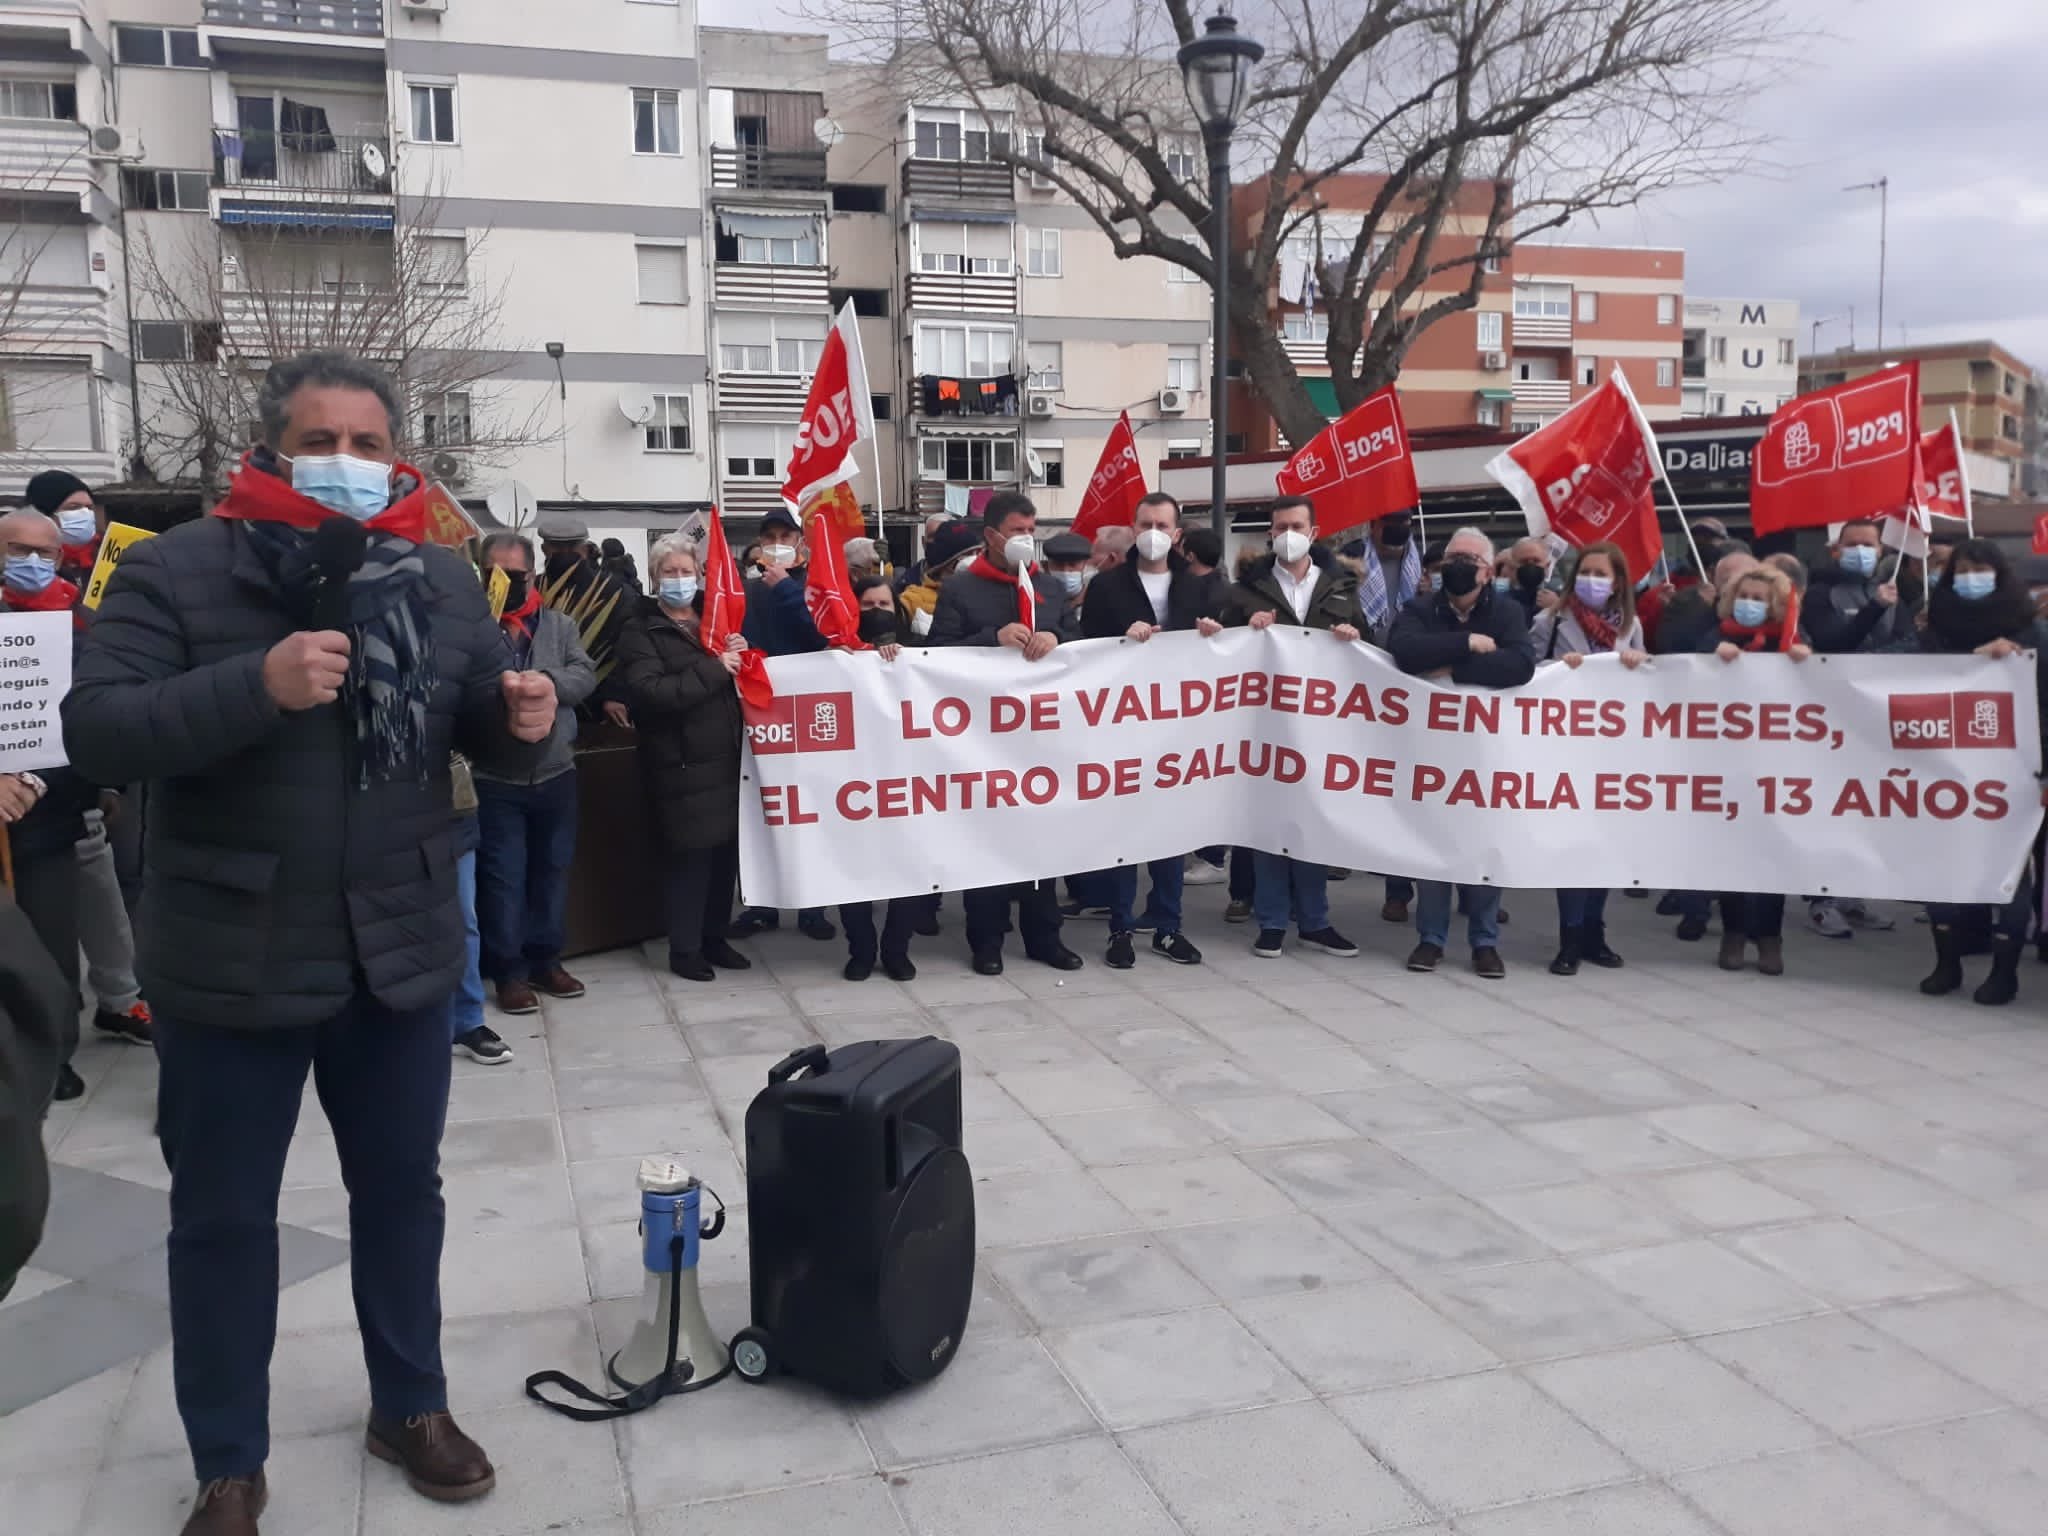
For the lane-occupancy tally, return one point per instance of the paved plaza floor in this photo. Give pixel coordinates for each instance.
(1268, 1248)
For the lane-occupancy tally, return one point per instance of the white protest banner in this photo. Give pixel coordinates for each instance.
(1903, 777)
(35, 674)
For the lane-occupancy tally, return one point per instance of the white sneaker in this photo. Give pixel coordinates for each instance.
(1860, 916)
(1201, 872)
(1828, 921)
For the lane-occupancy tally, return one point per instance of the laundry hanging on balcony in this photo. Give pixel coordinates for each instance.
(947, 396)
(304, 129)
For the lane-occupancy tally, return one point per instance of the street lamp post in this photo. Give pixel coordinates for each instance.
(1216, 68)
(1882, 187)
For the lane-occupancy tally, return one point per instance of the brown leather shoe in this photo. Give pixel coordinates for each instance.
(440, 1461)
(557, 982)
(517, 997)
(228, 1506)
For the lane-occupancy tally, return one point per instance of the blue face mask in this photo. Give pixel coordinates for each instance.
(1750, 612)
(357, 488)
(1071, 580)
(29, 573)
(78, 525)
(1975, 586)
(1502, 584)
(678, 591)
(1858, 560)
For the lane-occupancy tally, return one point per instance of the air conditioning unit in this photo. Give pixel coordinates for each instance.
(449, 469)
(424, 7)
(1039, 405)
(1493, 362)
(110, 143)
(1173, 402)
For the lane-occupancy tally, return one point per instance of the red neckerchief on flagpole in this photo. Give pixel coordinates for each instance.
(1027, 594)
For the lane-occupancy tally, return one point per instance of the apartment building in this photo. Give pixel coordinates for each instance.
(65, 375)
(1577, 311)
(1741, 356)
(1999, 401)
(501, 198)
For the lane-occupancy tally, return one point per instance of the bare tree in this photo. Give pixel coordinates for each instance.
(1475, 123)
(235, 301)
(37, 312)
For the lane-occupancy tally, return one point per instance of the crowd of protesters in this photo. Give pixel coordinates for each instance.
(356, 761)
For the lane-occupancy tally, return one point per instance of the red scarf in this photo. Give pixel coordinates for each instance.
(257, 494)
(515, 618)
(1027, 595)
(80, 557)
(1765, 637)
(1600, 630)
(60, 596)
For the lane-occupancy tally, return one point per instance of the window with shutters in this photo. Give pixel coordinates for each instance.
(664, 273)
(668, 431)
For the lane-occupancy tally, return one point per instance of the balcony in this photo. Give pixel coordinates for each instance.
(768, 396)
(41, 159)
(47, 317)
(755, 168)
(280, 322)
(335, 18)
(297, 179)
(760, 285)
(962, 293)
(60, 24)
(976, 181)
(1695, 367)
(1542, 394)
(1540, 331)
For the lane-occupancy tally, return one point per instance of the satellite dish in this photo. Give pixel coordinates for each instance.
(827, 131)
(376, 164)
(512, 504)
(1034, 464)
(636, 408)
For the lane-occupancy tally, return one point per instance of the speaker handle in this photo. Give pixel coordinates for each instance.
(810, 1058)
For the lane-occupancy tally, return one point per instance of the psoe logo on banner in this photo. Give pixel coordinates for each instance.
(803, 722)
(1944, 721)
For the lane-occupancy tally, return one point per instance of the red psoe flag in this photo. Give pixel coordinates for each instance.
(828, 591)
(1845, 454)
(838, 412)
(1358, 468)
(1116, 487)
(1590, 475)
(1943, 482)
(725, 610)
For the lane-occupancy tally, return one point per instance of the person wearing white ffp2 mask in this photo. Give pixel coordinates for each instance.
(1003, 600)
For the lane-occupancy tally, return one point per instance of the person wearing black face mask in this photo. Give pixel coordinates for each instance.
(876, 602)
(1979, 606)
(1528, 569)
(1469, 634)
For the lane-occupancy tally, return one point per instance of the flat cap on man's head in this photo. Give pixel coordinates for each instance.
(777, 517)
(562, 528)
(1067, 547)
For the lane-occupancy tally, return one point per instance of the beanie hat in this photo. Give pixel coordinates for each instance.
(52, 488)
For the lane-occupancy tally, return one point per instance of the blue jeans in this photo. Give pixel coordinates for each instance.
(1092, 888)
(228, 1102)
(1169, 878)
(1281, 886)
(1433, 913)
(1581, 909)
(522, 874)
(466, 1007)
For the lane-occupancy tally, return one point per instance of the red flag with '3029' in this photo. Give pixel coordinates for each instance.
(1358, 468)
(1845, 454)
(725, 610)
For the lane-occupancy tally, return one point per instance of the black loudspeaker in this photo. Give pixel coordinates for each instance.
(860, 1217)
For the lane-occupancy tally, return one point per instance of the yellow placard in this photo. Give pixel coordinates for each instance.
(497, 587)
(118, 537)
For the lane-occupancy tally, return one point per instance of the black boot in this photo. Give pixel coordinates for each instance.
(1947, 974)
(2003, 984)
(1593, 940)
(1568, 953)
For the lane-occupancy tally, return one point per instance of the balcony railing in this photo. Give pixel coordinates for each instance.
(1695, 367)
(751, 167)
(44, 158)
(971, 180)
(963, 293)
(760, 285)
(1532, 330)
(297, 164)
(1545, 394)
(343, 18)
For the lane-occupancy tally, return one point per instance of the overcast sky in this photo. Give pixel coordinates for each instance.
(1945, 97)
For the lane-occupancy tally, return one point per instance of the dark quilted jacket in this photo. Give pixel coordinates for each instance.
(273, 881)
(686, 719)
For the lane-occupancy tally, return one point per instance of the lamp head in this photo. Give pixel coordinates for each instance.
(1216, 68)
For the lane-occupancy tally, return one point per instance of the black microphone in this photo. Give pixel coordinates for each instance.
(338, 546)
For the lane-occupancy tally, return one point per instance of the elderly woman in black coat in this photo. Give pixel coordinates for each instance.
(687, 713)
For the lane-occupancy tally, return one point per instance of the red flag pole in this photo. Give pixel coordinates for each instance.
(1657, 462)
